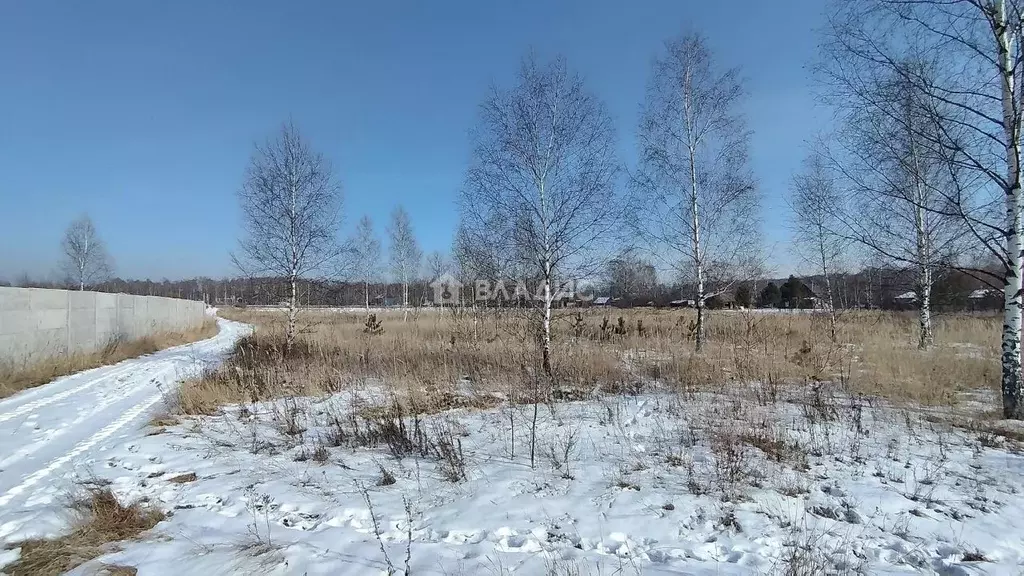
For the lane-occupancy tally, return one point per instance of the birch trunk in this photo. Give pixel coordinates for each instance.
(698, 260)
(1011, 357)
(81, 267)
(924, 291)
(293, 309)
(547, 319)
(405, 300)
(828, 284)
(924, 276)
(924, 279)
(1012, 386)
(926, 335)
(923, 247)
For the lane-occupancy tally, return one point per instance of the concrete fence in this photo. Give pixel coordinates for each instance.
(37, 323)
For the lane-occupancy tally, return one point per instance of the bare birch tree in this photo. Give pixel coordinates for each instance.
(696, 202)
(291, 210)
(405, 253)
(972, 49)
(437, 264)
(365, 249)
(902, 185)
(85, 255)
(817, 204)
(540, 184)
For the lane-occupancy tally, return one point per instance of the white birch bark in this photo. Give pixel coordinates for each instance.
(1012, 385)
(826, 272)
(698, 259)
(293, 313)
(922, 244)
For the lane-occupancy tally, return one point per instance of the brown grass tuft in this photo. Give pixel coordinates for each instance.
(103, 520)
(15, 378)
(163, 421)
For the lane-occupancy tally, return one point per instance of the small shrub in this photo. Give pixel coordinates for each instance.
(447, 446)
(373, 326)
(318, 454)
(974, 556)
(289, 417)
(563, 451)
(102, 519)
(620, 327)
(386, 477)
(578, 325)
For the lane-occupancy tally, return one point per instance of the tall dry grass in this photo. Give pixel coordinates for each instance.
(434, 352)
(17, 377)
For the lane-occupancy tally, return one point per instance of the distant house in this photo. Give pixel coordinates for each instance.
(796, 294)
(905, 300)
(682, 304)
(985, 299)
(602, 301)
(721, 302)
(385, 302)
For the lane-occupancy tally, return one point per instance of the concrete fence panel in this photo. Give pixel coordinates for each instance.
(106, 318)
(37, 323)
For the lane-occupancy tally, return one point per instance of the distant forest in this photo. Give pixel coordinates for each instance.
(873, 288)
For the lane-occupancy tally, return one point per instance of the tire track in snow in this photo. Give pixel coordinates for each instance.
(75, 417)
(79, 449)
(46, 401)
(108, 401)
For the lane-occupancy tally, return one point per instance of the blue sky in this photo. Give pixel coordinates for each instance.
(143, 114)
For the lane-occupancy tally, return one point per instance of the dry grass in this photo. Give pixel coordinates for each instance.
(183, 478)
(14, 379)
(103, 520)
(435, 355)
(162, 420)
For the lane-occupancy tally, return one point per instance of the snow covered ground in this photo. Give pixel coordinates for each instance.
(58, 434)
(745, 481)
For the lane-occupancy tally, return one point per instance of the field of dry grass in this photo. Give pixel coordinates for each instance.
(14, 378)
(436, 355)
